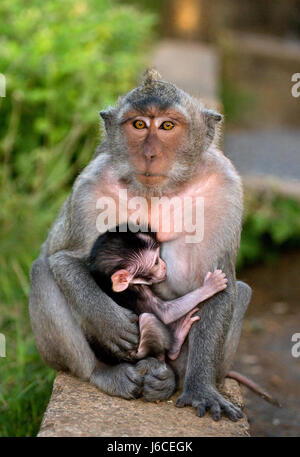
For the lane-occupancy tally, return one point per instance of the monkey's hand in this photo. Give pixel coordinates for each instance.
(214, 282)
(118, 331)
(210, 399)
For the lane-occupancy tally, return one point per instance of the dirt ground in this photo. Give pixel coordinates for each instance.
(264, 352)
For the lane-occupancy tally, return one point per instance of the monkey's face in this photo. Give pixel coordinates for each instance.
(148, 268)
(158, 272)
(154, 139)
(156, 136)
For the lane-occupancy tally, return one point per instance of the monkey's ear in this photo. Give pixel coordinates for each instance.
(107, 116)
(211, 117)
(120, 280)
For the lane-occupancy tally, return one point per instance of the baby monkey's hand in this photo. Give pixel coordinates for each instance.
(214, 282)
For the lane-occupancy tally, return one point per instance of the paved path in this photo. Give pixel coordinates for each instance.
(275, 153)
(191, 66)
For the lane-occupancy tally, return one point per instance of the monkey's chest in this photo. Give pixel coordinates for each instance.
(185, 268)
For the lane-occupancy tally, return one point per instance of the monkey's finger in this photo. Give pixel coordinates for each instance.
(220, 276)
(201, 409)
(134, 318)
(130, 330)
(118, 352)
(193, 311)
(130, 338)
(195, 319)
(236, 410)
(207, 275)
(215, 410)
(134, 376)
(127, 346)
(231, 411)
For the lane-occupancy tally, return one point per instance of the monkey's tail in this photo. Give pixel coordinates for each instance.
(254, 387)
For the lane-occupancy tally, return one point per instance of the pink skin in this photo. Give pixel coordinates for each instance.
(213, 283)
(180, 331)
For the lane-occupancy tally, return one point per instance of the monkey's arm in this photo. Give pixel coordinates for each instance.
(115, 327)
(173, 310)
(67, 249)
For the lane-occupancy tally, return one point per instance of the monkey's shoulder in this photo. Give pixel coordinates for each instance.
(75, 226)
(95, 173)
(222, 166)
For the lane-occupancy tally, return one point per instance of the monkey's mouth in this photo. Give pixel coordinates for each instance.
(150, 179)
(159, 279)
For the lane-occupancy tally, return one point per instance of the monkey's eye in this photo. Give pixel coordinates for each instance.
(139, 124)
(167, 125)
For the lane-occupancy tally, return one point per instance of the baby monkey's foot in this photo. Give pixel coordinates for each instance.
(180, 329)
(214, 282)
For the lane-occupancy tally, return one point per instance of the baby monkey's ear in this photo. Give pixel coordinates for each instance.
(120, 280)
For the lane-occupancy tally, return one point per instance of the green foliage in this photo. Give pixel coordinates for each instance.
(271, 224)
(236, 101)
(63, 61)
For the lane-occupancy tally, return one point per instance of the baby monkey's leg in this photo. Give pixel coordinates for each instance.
(179, 332)
(155, 337)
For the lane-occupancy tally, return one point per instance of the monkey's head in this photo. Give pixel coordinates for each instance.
(157, 135)
(127, 258)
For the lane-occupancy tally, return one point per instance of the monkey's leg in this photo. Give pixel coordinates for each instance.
(159, 378)
(62, 343)
(154, 337)
(180, 330)
(233, 336)
(207, 338)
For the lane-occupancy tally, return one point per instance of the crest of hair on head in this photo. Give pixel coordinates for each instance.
(151, 75)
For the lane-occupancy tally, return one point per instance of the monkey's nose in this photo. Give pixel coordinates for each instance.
(150, 154)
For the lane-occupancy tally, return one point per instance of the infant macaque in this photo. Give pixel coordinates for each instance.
(126, 265)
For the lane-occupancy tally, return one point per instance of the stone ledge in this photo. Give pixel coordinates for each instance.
(77, 408)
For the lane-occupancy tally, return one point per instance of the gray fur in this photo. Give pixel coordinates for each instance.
(68, 309)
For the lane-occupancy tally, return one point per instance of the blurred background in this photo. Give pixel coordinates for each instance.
(63, 62)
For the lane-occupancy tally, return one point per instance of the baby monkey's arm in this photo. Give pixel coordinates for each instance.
(171, 311)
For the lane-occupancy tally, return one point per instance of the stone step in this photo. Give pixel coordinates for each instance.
(77, 408)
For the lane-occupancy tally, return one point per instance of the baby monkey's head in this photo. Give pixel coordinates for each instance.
(129, 255)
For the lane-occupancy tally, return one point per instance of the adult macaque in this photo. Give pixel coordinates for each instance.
(159, 142)
(125, 265)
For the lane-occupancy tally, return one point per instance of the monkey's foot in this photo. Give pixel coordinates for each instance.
(159, 379)
(210, 399)
(123, 380)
